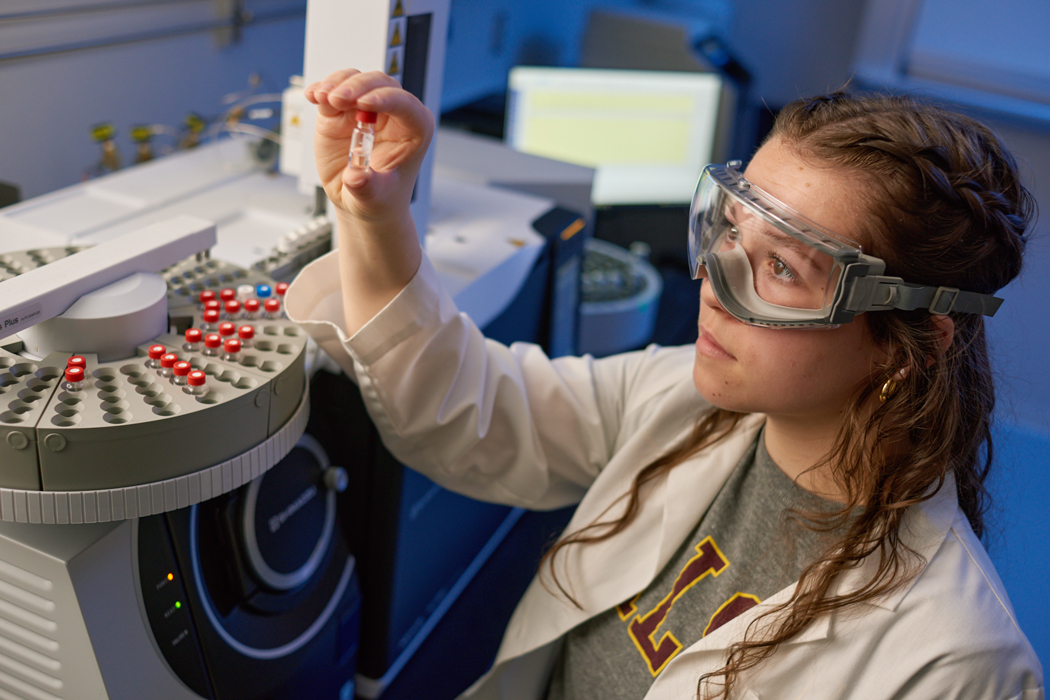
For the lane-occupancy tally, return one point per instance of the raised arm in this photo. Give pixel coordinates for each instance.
(379, 250)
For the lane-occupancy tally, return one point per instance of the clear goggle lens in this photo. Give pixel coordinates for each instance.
(760, 273)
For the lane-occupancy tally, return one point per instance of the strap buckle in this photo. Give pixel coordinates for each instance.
(943, 300)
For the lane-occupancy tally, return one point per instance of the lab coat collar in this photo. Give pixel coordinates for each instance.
(923, 530)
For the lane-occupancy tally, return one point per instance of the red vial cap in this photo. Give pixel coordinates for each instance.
(366, 116)
(194, 335)
(281, 288)
(207, 295)
(251, 305)
(246, 332)
(182, 368)
(227, 294)
(195, 378)
(227, 328)
(213, 340)
(212, 304)
(211, 315)
(76, 361)
(233, 306)
(168, 360)
(273, 305)
(233, 345)
(155, 351)
(74, 374)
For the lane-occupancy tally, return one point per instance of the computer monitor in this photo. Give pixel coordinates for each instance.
(648, 134)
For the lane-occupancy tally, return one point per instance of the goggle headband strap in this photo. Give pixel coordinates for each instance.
(878, 293)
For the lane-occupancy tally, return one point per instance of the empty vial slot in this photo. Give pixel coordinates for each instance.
(65, 421)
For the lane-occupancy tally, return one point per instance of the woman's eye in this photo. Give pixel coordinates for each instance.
(780, 268)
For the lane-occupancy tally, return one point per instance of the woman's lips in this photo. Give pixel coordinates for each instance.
(708, 346)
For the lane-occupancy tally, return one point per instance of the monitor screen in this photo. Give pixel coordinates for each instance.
(648, 134)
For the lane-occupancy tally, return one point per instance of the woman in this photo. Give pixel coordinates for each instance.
(799, 520)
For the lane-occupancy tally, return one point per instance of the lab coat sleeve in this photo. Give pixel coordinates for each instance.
(498, 423)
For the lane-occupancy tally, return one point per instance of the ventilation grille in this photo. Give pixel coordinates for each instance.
(29, 665)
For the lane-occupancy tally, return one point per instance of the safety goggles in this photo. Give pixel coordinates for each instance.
(769, 266)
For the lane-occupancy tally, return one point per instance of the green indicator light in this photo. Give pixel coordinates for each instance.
(177, 605)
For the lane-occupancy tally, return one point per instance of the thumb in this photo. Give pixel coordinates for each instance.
(358, 180)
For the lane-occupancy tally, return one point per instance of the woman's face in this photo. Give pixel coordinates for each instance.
(797, 374)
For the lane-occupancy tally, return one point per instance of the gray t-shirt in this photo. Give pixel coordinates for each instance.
(743, 550)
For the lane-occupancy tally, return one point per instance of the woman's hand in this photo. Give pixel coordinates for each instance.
(379, 251)
(403, 131)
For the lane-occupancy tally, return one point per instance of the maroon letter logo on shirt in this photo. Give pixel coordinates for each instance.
(643, 629)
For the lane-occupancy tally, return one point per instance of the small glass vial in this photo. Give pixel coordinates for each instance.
(212, 343)
(363, 138)
(233, 310)
(227, 329)
(74, 379)
(273, 309)
(194, 336)
(263, 291)
(77, 361)
(206, 296)
(211, 320)
(232, 349)
(245, 291)
(167, 363)
(155, 351)
(226, 294)
(180, 373)
(246, 335)
(251, 309)
(281, 289)
(195, 383)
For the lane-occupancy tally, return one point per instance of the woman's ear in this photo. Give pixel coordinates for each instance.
(945, 328)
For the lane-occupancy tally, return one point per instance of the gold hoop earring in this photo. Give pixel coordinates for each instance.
(888, 389)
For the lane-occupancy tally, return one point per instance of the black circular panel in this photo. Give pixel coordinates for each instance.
(288, 519)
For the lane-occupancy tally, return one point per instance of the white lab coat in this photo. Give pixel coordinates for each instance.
(509, 425)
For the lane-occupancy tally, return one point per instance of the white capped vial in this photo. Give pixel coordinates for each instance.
(212, 343)
(194, 336)
(195, 383)
(180, 373)
(246, 335)
(167, 363)
(363, 137)
(155, 351)
(74, 379)
(245, 291)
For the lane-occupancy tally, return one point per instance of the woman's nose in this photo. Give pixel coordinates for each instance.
(707, 296)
